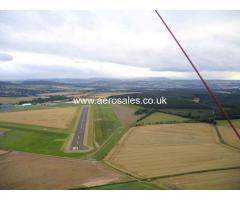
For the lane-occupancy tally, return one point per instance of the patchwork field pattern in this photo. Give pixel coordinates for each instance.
(45, 172)
(55, 117)
(170, 149)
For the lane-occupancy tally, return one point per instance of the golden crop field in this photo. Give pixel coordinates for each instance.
(229, 136)
(215, 180)
(168, 149)
(54, 117)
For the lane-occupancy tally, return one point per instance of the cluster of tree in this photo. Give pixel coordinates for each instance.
(45, 100)
(180, 99)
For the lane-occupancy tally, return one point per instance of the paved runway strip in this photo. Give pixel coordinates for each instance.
(77, 143)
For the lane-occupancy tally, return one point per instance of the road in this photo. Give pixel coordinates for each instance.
(77, 142)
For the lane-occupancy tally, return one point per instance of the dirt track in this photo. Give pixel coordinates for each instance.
(31, 171)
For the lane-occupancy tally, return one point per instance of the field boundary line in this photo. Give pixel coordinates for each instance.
(28, 127)
(189, 173)
(49, 156)
(125, 171)
(121, 132)
(115, 183)
(116, 147)
(120, 170)
(223, 142)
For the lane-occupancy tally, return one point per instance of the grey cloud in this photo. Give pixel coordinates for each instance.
(5, 57)
(126, 37)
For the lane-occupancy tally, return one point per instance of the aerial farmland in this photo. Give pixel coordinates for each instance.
(114, 146)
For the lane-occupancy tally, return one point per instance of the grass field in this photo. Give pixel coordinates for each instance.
(167, 149)
(3, 130)
(136, 185)
(20, 170)
(49, 141)
(38, 142)
(236, 123)
(105, 122)
(215, 180)
(54, 117)
(159, 117)
(104, 129)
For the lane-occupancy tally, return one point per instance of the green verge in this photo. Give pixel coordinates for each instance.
(107, 129)
(108, 145)
(159, 117)
(105, 123)
(90, 128)
(136, 185)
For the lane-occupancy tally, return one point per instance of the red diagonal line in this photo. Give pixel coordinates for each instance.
(210, 92)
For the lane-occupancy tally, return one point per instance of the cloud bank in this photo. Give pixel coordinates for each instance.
(82, 44)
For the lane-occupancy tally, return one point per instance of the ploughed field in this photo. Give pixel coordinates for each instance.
(126, 114)
(158, 151)
(55, 117)
(20, 170)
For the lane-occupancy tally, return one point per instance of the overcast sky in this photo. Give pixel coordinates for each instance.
(118, 44)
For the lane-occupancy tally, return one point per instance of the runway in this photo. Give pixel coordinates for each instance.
(77, 142)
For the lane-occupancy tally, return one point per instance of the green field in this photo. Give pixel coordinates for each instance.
(136, 185)
(236, 122)
(104, 128)
(105, 122)
(198, 114)
(35, 139)
(159, 117)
